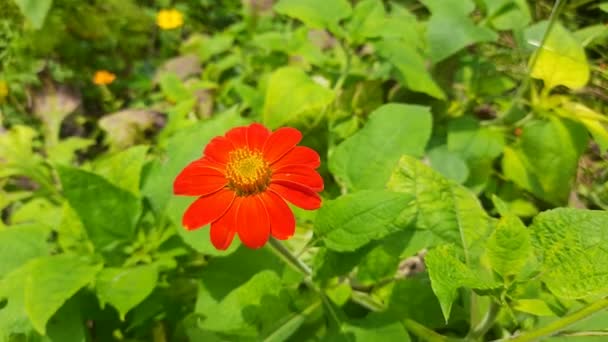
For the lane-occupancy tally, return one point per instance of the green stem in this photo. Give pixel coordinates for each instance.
(345, 69)
(486, 323)
(557, 7)
(561, 324)
(299, 266)
(423, 332)
(289, 258)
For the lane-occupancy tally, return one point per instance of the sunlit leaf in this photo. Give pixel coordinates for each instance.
(561, 59)
(571, 244)
(366, 160)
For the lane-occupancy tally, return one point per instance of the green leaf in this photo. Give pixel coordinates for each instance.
(38, 211)
(125, 288)
(539, 165)
(410, 66)
(52, 281)
(365, 160)
(473, 141)
(443, 211)
(367, 21)
(509, 247)
(449, 164)
(448, 274)
(593, 121)
(19, 244)
(183, 148)
(352, 221)
(68, 324)
(173, 88)
(16, 155)
(403, 304)
(35, 10)
(508, 14)
(535, 307)
(561, 60)
(293, 96)
(64, 151)
(240, 306)
(377, 327)
(123, 169)
(13, 318)
(571, 244)
(108, 213)
(290, 324)
(450, 29)
(315, 13)
(456, 7)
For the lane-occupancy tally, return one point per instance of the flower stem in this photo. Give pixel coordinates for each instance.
(295, 263)
(290, 258)
(486, 323)
(561, 324)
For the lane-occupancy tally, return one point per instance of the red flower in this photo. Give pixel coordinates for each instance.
(243, 180)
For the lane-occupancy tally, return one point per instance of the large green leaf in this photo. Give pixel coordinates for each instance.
(35, 10)
(403, 304)
(450, 29)
(473, 141)
(376, 327)
(561, 59)
(51, 282)
(315, 13)
(292, 95)
(109, 213)
(571, 244)
(241, 310)
(13, 318)
(19, 244)
(444, 211)
(365, 160)
(352, 221)
(509, 247)
(410, 66)
(123, 169)
(125, 288)
(448, 274)
(540, 165)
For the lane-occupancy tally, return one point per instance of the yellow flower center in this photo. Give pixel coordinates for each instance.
(247, 172)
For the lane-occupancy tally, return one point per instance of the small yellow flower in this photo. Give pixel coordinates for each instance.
(103, 77)
(169, 19)
(3, 90)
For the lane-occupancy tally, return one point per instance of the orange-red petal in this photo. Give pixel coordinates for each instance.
(218, 150)
(207, 209)
(299, 195)
(280, 142)
(299, 155)
(199, 178)
(237, 136)
(257, 136)
(301, 174)
(282, 221)
(253, 225)
(222, 231)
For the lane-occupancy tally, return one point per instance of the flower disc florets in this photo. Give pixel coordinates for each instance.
(247, 171)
